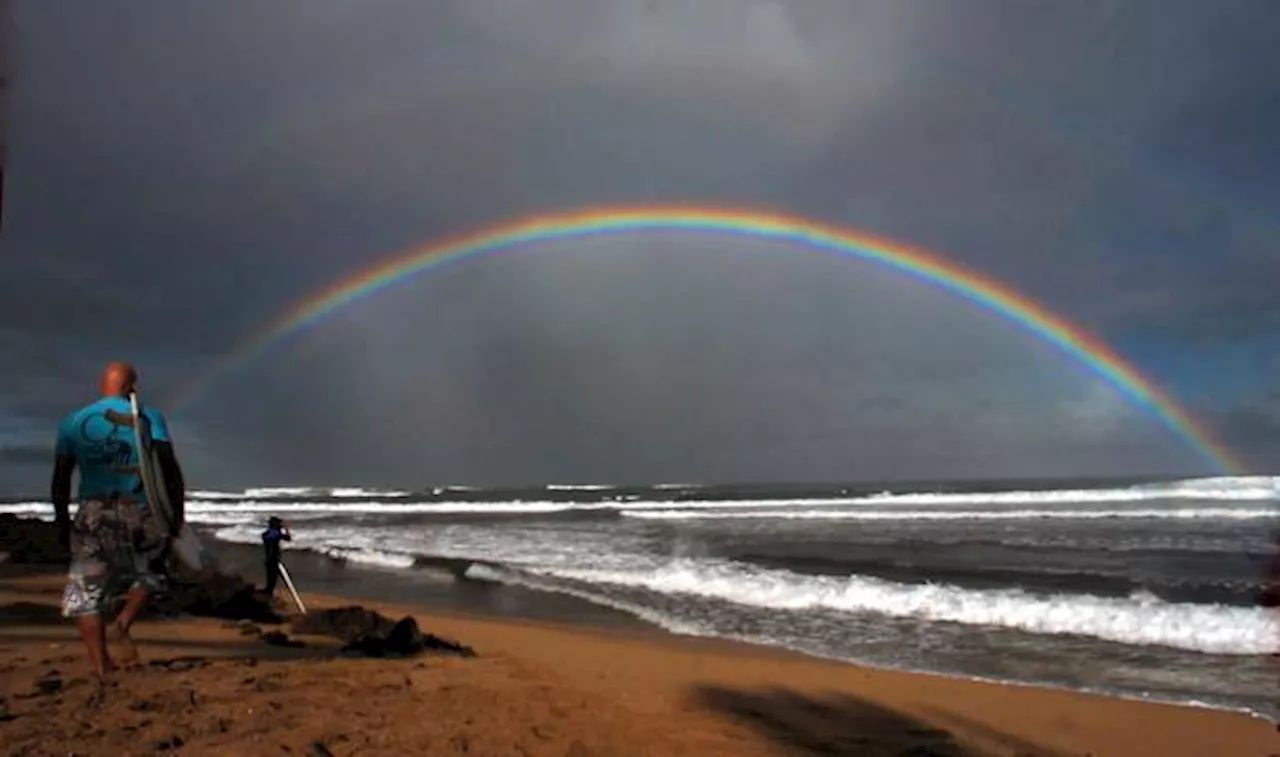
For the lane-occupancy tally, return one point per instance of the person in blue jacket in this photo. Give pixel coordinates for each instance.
(276, 532)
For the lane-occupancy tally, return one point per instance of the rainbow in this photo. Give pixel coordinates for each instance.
(760, 225)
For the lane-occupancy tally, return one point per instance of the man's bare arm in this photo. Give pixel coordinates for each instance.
(60, 494)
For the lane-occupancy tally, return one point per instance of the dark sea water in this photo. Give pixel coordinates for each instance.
(1143, 589)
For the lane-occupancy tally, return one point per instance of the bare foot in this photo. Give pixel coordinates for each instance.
(99, 695)
(128, 652)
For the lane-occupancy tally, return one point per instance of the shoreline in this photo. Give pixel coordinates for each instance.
(614, 691)
(569, 611)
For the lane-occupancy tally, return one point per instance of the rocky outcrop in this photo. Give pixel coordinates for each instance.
(216, 595)
(31, 542)
(345, 623)
(369, 633)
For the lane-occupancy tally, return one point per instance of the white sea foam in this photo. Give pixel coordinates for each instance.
(281, 491)
(549, 558)
(294, 491)
(1238, 489)
(1139, 620)
(543, 559)
(372, 557)
(388, 508)
(42, 510)
(359, 547)
(213, 494)
(481, 572)
(688, 627)
(1234, 496)
(1180, 513)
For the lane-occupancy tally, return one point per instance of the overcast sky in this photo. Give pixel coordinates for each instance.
(181, 172)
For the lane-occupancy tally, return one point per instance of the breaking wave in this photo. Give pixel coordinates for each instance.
(1181, 513)
(1238, 488)
(1140, 619)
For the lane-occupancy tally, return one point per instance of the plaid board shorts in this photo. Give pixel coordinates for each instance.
(109, 555)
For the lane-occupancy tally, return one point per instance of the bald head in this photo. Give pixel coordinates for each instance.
(118, 380)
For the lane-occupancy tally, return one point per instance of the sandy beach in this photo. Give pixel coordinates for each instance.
(538, 688)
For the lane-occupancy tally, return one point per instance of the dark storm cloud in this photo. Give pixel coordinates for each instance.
(503, 368)
(180, 172)
(1255, 428)
(1054, 125)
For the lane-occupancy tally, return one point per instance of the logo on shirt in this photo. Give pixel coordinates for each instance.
(104, 443)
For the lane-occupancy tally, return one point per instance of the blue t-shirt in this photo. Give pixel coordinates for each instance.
(100, 437)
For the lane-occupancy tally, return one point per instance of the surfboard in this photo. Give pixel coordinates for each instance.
(293, 590)
(189, 550)
(185, 544)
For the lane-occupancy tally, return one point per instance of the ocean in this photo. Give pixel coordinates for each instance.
(1144, 589)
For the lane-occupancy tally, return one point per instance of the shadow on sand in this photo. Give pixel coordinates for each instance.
(42, 624)
(840, 725)
(162, 648)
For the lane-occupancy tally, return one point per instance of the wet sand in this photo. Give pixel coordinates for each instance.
(538, 688)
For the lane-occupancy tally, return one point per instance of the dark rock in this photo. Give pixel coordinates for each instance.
(404, 640)
(439, 644)
(279, 639)
(373, 634)
(318, 749)
(216, 595)
(31, 541)
(51, 683)
(345, 623)
(30, 613)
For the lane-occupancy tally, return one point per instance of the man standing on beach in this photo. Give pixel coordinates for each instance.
(114, 534)
(276, 532)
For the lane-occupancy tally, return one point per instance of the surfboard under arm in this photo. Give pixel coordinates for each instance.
(152, 489)
(185, 543)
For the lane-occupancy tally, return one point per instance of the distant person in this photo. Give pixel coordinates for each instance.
(276, 532)
(114, 536)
